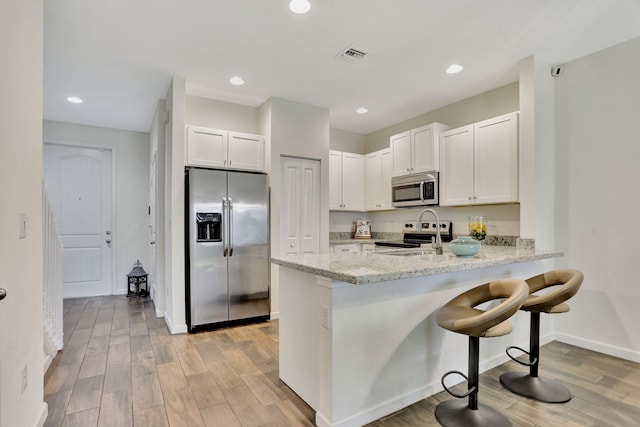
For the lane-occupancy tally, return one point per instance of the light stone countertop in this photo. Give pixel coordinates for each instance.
(370, 267)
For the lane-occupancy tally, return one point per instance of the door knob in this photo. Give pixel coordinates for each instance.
(3, 293)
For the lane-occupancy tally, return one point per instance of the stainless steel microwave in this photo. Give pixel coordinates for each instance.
(420, 189)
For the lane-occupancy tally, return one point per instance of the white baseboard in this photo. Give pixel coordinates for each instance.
(274, 315)
(405, 400)
(600, 347)
(175, 329)
(44, 412)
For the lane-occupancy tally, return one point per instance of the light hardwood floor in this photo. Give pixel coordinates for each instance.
(121, 367)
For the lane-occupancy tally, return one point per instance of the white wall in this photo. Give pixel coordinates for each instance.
(175, 314)
(157, 144)
(505, 219)
(351, 142)
(130, 151)
(297, 130)
(220, 115)
(598, 180)
(21, 327)
(502, 220)
(484, 106)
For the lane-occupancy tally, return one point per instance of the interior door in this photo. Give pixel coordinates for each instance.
(78, 181)
(152, 217)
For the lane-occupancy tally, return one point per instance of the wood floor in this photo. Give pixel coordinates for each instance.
(120, 367)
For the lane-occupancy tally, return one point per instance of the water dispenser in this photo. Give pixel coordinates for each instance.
(209, 226)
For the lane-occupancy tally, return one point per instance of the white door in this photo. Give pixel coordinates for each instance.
(300, 206)
(79, 185)
(152, 215)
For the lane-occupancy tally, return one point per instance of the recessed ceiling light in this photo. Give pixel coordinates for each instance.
(74, 100)
(236, 81)
(300, 6)
(454, 69)
(362, 110)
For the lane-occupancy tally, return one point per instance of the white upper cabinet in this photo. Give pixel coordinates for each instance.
(346, 181)
(416, 150)
(207, 147)
(222, 149)
(246, 151)
(479, 163)
(378, 180)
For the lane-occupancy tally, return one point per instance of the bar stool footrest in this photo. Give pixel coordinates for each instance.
(513, 347)
(538, 388)
(448, 390)
(455, 413)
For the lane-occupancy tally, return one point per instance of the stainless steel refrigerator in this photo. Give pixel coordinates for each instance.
(227, 254)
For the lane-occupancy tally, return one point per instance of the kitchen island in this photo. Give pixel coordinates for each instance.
(358, 338)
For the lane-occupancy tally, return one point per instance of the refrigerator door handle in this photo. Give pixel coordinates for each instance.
(230, 227)
(224, 231)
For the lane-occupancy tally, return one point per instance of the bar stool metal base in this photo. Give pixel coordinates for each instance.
(538, 388)
(456, 413)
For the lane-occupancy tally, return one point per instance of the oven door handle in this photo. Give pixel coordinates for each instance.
(422, 191)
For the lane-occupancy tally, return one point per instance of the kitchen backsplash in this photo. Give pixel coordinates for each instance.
(503, 221)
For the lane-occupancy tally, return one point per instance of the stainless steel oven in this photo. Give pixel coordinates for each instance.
(420, 189)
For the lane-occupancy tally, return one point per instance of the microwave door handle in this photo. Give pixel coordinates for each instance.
(422, 191)
(224, 231)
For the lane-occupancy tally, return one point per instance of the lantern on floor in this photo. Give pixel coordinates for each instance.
(137, 279)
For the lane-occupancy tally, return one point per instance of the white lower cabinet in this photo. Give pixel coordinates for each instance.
(300, 206)
(346, 181)
(378, 180)
(479, 163)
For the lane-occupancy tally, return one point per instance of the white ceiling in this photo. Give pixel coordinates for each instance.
(120, 55)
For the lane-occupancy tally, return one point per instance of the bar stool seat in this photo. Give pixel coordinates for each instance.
(565, 284)
(460, 315)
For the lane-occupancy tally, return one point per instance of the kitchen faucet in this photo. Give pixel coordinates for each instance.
(438, 243)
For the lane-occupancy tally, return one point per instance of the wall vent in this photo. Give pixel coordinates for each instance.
(352, 54)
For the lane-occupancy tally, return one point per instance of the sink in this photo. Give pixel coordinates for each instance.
(411, 252)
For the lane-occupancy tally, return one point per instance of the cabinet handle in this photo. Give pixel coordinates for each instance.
(469, 197)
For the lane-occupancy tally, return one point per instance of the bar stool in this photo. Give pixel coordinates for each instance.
(460, 315)
(531, 385)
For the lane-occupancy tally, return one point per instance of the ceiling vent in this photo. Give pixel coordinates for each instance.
(352, 54)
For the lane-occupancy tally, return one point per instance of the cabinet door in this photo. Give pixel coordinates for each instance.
(206, 147)
(373, 179)
(496, 160)
(335, 180)
(309, 206)
(456, 167)
(401, 153)
(425, 149)
(300, 206)
(385, 186)
(290, 207)
(246, 151)
(353, 181)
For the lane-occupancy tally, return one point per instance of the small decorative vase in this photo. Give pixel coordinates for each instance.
(464, 246)
(477, 227)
